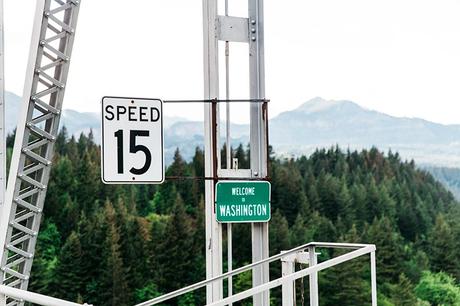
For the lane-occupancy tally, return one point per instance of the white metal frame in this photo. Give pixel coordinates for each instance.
(27, 296)
(312, 271)
(2, 109)
(251, 31)
(51, 48)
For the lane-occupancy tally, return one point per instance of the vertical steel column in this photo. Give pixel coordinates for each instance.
(314, 294)
(214, 292)
(51, 48)
(2, 109)
(228, 157)
(373, 279)
(258, 142)
(288, 289)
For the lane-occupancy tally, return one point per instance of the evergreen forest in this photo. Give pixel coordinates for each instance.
(118, 245)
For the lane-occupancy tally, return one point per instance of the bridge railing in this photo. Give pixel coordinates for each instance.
(286, 281)
(357, 250)
(26, 296)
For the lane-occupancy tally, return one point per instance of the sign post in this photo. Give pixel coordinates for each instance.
(132, 141)
(243, 201)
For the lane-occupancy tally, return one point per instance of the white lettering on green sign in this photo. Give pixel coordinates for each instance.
(242, 210)
(243, 201)
(243, 191)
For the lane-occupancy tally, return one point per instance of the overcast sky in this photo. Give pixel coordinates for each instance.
(401, 57)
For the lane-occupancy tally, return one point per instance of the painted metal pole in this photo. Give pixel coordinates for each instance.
(313, 261)
(2, 109)
(258, 143)
(228, 156)
(50, 55)
(8, 204)
(214, 291)
(288, 288)
(373, 279)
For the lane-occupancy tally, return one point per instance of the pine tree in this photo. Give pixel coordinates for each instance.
(243, 157)
(279, 233)
(68, 280)
(88, 176)
(113, 280)
(344, 284)
(442, 243)
(403, 293)
(46, 258)
(389, 244)
(180, 168)
(287, 193)
(175, 268)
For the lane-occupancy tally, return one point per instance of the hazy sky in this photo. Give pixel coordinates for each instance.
(401, 57)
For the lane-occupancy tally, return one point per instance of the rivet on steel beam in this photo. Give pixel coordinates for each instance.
(256, 173)
(42, 42)
(67, 58)
(253, 38)
(253, 30)
(47, 14)
(253, 21)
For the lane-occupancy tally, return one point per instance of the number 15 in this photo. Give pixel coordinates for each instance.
(133, 148)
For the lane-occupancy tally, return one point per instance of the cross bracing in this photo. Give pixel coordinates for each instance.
(51, 49)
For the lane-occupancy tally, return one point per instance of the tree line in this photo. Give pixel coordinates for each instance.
(123, 244)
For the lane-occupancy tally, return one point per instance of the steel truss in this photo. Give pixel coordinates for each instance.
(51, 48)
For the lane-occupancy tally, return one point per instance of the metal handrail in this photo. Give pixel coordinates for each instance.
(294, 276)
(203, 283)
(32, 297)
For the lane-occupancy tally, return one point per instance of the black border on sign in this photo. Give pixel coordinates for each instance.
(102, 144)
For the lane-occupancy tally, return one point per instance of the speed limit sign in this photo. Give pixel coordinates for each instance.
(132, 141)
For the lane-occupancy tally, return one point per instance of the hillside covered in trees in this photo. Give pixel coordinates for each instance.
(115, 245)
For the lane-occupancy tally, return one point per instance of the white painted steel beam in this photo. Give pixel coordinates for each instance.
(214, 291)
(259, 141)
(2, 109)
(31, 297)
(46, 77)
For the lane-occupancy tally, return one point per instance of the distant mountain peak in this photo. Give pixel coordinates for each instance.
(319, 104)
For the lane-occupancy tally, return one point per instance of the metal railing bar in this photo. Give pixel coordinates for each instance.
(273, 258)
(219, 101)
(33, 297)
(294, 276)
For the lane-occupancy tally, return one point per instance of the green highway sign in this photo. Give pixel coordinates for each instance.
(243, 201)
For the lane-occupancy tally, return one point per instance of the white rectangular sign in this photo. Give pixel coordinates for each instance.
(132, 141)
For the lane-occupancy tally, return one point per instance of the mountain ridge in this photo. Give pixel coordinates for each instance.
(315, 123)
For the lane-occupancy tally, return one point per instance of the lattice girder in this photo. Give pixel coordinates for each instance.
(34, 144)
